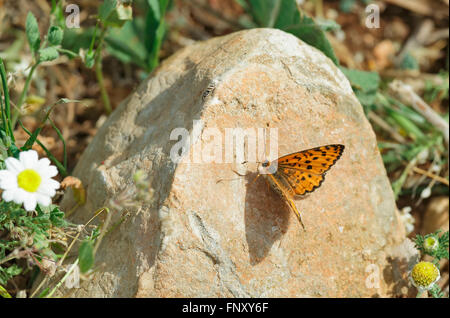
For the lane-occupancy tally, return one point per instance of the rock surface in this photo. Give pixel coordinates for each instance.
(208, 232)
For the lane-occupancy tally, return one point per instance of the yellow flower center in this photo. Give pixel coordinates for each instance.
(29, 180)
(424, 273)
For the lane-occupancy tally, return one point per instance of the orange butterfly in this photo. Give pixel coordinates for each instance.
(300, 172)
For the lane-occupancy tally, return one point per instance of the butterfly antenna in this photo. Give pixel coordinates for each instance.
(220, 180)
(265, 146)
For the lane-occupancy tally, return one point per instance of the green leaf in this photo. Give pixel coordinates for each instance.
(127, 44)
(44, 293)
(32, 31)
(55, 35)
(30, 141)
(285, 15)
(14, 151)
(404, 123)
(312, 34)
(106, 9)
(4, 293)
(364, 84)
(115, 13)
(6, 273)
(436, 90)
(57, 12)
(48, 54)
(155, 29)
(56, 215)
(86, 256)
(346, 5)
(262, 10)
(89, 59)
(5, 105)
(75, 39)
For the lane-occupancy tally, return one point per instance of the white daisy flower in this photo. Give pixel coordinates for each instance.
(28, 180)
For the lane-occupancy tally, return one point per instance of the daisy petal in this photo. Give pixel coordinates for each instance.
(45, 169)
(14, 165)
(30, 202)
(29, 159)
(5, 174)
(49, 171)
(44, 162)
(46, 191)
(27, 194)
(43, 200)
(51, 183)
(8, 180)
(8, 195)
(19, 195)
(48, 187)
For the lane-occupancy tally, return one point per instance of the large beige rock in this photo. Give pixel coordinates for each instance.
(209, 232)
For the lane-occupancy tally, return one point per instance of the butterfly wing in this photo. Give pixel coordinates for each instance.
(305, 170)
(302, 172)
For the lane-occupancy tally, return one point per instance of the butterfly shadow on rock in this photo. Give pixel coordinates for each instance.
(266, 217)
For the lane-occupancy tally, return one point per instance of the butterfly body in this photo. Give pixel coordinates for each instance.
(300, 172)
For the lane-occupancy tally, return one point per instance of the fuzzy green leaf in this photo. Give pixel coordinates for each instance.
(48, 54)
(86, 256)
(56, 216)
(32, 31)
(55, 35)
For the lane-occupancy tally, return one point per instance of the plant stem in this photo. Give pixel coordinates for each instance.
(6, 112)
(96, 213)
(99, 74)
(75, 264)
(12, 255)
(23, 95)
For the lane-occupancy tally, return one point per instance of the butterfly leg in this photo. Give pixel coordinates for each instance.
(240, 175)
(244, 175)
(297, 213)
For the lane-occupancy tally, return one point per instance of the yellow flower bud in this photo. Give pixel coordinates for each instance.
(424, 275)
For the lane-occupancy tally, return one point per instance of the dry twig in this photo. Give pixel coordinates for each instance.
(431, 175)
